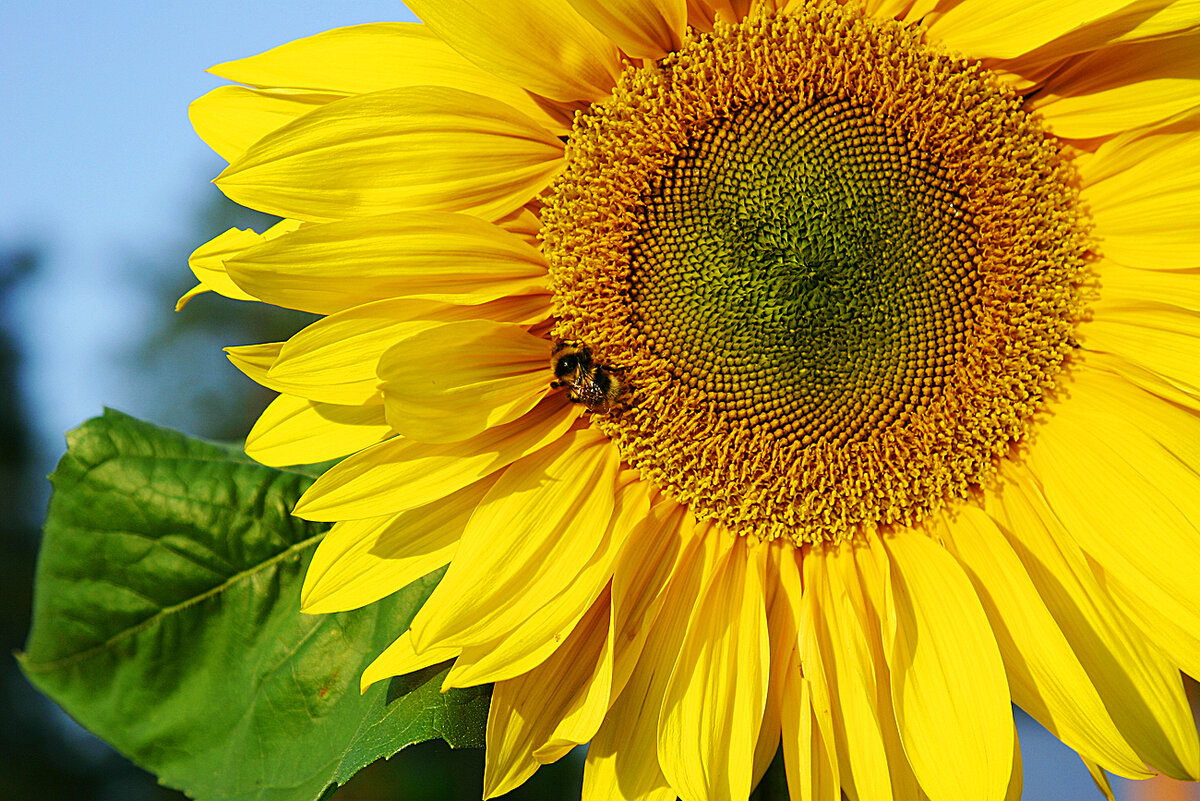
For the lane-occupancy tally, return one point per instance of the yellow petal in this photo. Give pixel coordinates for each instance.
(782, 593)
(1142, 460)
(422, 148)
(1127, 290)
(833, 636)
(295, 430)
(400, 659)
(528, 639)
(948, 685)
(541, 45)
(808, 754)
(622, 760)
(429, 255)
(453, 381)
(714, 701)
(362, 561)
(399, 474)
(208, 260)
(1144, 194)
(642, 28)
(1122, 87)
(1100, 779)
(1045, 676)
(256, 360)
(1146, 380)
(1142, 691)
(336, 359)
(384, 55)
(551, 508)
(998, 29)
(526, 711)
(232, 118)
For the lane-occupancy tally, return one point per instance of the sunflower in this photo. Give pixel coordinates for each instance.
(807, 373)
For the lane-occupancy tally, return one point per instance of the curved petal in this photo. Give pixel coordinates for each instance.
(948, 684)
(1142, 691)
(641, 28)
(208, 260)
(551, 508)
(1006, 28)
(1044, 673)
(714, 701)
(362, 561)
(440, 256)
(296, 430)
(399, 474)
(541, 45)
(452, 381)
(421, 148)
(382, 55)
(1122, 87)
(399, 659)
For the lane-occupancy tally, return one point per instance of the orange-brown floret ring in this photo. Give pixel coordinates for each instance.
(838, 288)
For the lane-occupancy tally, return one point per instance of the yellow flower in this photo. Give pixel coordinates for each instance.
(880, 322)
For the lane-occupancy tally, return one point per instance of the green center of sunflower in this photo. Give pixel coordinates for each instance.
(836, 270)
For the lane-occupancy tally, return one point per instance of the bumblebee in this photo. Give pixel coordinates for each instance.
(588, 383)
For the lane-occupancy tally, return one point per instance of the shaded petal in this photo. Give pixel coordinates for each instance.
(400, 474)
(361, 561)
(431, 255)
(423, 148)
(1142, 691)
(642, 28)
(453, 381)
(383, 55)
(714, 702)
(572, 684)
(948, 685)
(1122, 87)
(1163, 343)
(296, 430)
(551, 508)
(1045, 676)
(1007, 29)
(541, 45)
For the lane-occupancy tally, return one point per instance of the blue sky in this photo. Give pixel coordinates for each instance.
(99, 158)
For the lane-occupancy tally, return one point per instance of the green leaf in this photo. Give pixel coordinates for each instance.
(166, 620)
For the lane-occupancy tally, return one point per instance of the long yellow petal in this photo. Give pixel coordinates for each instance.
(361, 561)
(541, 45)
(232, 118)
(295, 430)
(385, 55)
(834, 640)
(948, 684)
(337, 358)
(642, 28)
(551, 508)
(1142, 691)
(453, 381)
(1122, 87)
(526, 711)
(208, 261)
(1045, 676)
(524, 638)
(399, 474)
(714, 701)
(1137, 515)
(622, 760)
(1008, 29)
(420, 148)
(1163, 343)
(428, 255)
(1124, 290)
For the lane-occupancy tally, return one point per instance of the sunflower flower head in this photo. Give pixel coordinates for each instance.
(767, 373)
